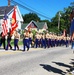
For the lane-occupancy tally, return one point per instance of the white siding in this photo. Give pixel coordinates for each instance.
(18, 18)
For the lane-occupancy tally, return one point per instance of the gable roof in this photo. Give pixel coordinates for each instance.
(23, 26)
(39, 25)
(8, 10)
(5, 9)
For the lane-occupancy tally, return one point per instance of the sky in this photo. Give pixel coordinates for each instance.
(48, 8)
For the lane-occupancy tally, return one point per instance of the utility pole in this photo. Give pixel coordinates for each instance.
(58, 20)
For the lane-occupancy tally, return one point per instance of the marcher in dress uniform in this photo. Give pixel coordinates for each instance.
(26, 40)
(30, 38)
(57, 41)
(43, 41)
(37, 39)
(16, 39)
(2, 41)
(40, 35)
(52, 40)
(8, 41)
(67, 43)
(47, 39)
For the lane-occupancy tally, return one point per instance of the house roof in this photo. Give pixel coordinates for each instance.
(39, 25)
(5, 9)
(23, 26)
(8, 10)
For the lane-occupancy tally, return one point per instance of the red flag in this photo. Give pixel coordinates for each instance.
(14, 24)
(4, 26)
(64, 33)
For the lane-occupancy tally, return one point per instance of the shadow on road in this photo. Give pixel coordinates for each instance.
(62, 64)
(59, 71)
(72, 62)
(52, 69)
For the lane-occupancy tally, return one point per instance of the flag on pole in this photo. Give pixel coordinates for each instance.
(4, 26)
(14, 24)
(64, 33)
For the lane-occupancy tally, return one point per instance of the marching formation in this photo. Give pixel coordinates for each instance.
(39, 40)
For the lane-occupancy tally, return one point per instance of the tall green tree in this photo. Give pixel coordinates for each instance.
(31, 16)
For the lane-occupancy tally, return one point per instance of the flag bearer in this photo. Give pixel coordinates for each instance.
(9, 40)
(2, 40)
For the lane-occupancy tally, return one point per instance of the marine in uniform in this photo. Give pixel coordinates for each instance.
(30, 38)
(26, 40)
(43, 41)
(37, 37)
(47, 39)
(2, 41)
(8, 41)
(16, 39)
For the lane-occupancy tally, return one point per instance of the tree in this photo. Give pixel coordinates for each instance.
(31, 16)
(72, 4)
(53, 24)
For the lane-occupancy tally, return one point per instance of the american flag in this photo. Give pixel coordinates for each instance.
(4, 26)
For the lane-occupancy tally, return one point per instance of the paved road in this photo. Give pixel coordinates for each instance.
(52, 61)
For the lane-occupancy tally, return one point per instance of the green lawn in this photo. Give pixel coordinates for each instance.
(20, 42)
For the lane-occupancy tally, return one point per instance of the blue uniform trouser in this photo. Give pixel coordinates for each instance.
(8, 44)
(43, 43)
(0, 42)
(36, 42)
(26, 43)
(47, 42)
(30, 41)
(72, 27)
(16, 44)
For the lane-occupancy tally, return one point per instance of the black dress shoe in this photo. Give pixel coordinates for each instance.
(23, 50)
(11, 48)
(6, 49)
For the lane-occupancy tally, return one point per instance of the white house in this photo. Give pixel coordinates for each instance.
(9, 11)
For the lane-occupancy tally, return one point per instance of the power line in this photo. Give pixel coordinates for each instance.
(27, 8)
(32, 7)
